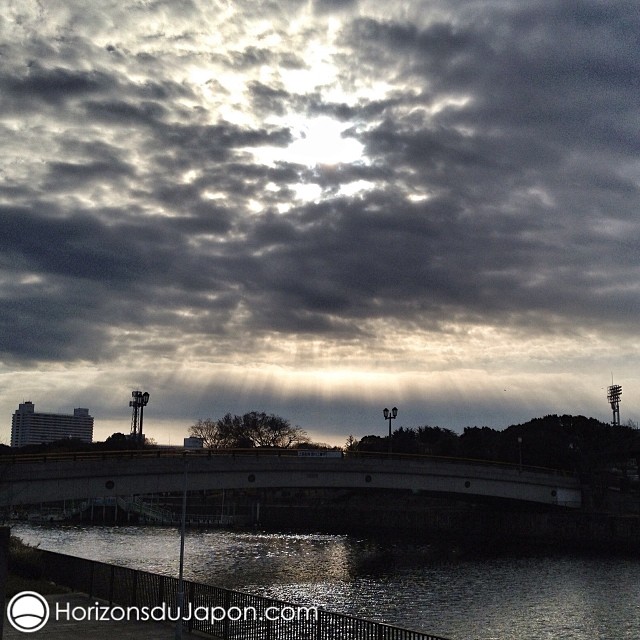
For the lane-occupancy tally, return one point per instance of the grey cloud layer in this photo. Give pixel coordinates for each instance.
(516, 122)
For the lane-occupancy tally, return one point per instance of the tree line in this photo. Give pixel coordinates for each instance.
(569, 442)
(575, 443)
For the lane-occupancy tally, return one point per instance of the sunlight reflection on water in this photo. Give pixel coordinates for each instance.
(504, 598)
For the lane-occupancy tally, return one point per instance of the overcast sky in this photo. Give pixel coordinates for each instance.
(319, 209)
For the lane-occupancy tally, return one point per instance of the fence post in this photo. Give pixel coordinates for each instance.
(318, 624)
(191, 599)
(92, 569)
(227, 605)
(161, 591)
(269, 630)
(134, 599)
(111, 582)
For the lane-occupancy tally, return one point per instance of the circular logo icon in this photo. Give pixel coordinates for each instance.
(28, 611)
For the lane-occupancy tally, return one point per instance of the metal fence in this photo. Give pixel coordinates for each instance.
(236, 615)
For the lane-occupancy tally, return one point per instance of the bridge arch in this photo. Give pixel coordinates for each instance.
(84, 476)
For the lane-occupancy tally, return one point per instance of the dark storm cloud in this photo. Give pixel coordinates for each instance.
(348, 261)
(268, 99)
(121, 112)
(513, 127)
(568, 72)
(333, 5)
(29, 335)
(35, 85)
(77, 246)
(250, 57)
(65, 175)
(95, 276)
(543, 94)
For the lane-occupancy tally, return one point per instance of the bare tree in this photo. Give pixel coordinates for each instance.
(207, 431)
(253, 429)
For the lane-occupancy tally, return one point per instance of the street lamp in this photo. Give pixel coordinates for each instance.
(390, 415)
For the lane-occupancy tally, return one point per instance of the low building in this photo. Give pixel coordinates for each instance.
(193, 443)
(29, 427)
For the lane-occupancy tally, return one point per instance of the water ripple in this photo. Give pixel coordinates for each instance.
(497, 598)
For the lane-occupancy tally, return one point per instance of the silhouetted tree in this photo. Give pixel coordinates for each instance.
(116, 442)
(436, 441)
(479, 442)
(351, 444)
(64, 445)
(253, 429)
(403, 441)
(373, 444)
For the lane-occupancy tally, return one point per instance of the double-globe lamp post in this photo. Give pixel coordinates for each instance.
(390, 415)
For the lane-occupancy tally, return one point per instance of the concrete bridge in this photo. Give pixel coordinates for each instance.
(52, 478)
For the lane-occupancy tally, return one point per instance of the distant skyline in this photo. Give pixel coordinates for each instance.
(319, 209)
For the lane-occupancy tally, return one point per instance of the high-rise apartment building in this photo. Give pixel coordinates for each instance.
(29, 427)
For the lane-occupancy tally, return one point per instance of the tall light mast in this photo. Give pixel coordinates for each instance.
(138, 403)
(613, 396)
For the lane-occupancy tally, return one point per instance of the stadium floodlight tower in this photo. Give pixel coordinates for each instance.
(138, 403)
(613, 396)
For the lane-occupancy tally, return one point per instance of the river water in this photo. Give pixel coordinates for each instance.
(507, 597)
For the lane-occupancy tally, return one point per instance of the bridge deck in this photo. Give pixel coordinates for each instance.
(81, 476)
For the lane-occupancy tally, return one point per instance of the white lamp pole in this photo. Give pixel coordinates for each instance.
(180, 599)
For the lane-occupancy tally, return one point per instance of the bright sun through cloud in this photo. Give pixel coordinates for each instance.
(317, 141)
(321, 141)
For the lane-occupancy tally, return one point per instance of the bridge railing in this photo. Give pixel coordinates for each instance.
(265, 452)
(235, 615)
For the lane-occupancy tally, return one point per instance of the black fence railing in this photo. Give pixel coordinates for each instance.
(232, 615)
